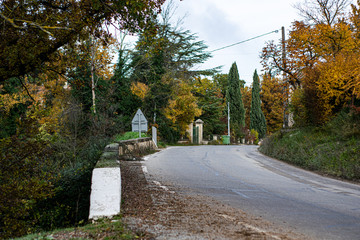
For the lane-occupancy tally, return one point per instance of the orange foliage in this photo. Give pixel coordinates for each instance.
(272, 102)
(324, 61)
(139, 89)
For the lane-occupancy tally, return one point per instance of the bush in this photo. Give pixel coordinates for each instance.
(23, 183)
(71, 201)
(128, 135)
(254, 136)
(168, 134)
(215, 142)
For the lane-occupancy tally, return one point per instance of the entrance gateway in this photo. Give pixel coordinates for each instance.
(196, 132)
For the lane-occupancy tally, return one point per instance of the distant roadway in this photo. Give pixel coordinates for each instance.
(316, 206)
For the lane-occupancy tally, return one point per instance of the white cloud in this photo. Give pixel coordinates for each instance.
(223, 22)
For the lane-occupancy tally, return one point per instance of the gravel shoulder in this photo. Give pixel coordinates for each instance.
(156, 210)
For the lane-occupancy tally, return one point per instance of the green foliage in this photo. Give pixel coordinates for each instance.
(221, 82)
(254, 136)
(122, 102)
(257, 118)
(211, 103)
(102, 229)
(127, 136)
(234, 97)
(215, 142)
(71, 201)
(9, 119)
(333, 149)
(167, 134)
(25, 179)
(299, 109)
(80, 83)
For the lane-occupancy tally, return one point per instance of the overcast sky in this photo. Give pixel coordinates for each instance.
(223, 22)
(220, 23)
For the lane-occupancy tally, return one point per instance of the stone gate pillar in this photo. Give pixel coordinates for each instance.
(199, 123)
(190, 132)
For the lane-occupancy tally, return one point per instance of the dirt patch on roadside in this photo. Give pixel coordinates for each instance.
(163, 212)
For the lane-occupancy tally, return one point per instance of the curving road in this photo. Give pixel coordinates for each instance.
(319, 207)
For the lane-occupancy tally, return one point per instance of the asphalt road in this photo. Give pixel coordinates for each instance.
(316, 206)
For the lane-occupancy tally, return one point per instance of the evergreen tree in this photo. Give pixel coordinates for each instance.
(257, 118)
(233, 96)
(123, 103)
(211, 101)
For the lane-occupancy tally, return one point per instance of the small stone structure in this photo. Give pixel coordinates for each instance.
(198, 124)
(129, 148)
(190, 132)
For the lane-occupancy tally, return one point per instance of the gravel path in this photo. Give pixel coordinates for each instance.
(160, 211)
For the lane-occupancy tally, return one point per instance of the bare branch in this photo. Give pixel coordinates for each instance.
(322, 11)
(27, 90)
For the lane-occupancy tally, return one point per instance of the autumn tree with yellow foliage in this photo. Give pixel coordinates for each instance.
(182, 107)
(322, 60)
(272, 102)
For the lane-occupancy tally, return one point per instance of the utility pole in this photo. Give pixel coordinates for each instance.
(285, 123)
(228, 119)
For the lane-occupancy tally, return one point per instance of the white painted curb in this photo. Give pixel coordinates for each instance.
(105, 195)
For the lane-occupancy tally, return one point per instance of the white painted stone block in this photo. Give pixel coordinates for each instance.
(105, 195)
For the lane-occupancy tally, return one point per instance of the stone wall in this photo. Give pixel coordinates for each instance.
(105, 197)
(135, 147)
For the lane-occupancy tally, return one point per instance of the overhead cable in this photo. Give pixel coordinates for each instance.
(247, 40)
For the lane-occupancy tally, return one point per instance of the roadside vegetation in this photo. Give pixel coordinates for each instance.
(332, 149)
(103, 229)
(127, 136)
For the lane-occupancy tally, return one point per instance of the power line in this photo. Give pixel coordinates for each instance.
(247, 40)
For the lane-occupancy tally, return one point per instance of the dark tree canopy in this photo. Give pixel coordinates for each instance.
(257, 118)
(32, 31)
(234, 97)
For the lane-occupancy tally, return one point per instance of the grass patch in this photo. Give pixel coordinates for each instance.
(333, 149)
(101, 229)
(128, 135)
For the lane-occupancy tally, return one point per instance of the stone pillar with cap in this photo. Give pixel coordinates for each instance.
(200, 123)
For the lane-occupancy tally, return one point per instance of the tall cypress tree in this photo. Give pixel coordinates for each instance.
(233, 96)
(257, 118)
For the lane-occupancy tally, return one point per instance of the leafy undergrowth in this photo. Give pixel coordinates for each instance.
(128, 135)
(333, 149)
(101, 229)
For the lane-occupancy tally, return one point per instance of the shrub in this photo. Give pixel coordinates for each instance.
(23, 183)
(128, 135)
(333, 149)
(71, 201)
(254, 136)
